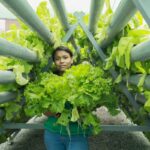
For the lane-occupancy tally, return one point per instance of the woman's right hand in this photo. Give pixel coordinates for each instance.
(48, 113)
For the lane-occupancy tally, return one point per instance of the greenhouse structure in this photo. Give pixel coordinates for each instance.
(117, 41)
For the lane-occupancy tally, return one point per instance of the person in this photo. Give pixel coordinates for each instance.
(56, 136)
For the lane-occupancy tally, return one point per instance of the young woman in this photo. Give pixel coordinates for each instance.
(56, 136)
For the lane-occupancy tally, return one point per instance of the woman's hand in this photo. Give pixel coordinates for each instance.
(48, 113)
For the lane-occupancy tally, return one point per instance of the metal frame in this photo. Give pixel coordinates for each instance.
(2, 113)
(11, 49)
(69, 33)
(141, 52)
(60, 11)
(95, 11)
(140, 98)
(143, 7)
(7, 77)
(134, 79)
(118, 128)
(7, 96)
(25, 12)
(124, 12)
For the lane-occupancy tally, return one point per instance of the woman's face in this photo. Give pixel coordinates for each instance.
(62, 60)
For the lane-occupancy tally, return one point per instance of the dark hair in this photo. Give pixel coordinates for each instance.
(61, 48)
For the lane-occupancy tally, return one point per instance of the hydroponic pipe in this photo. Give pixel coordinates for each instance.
(2, 113)
(60, 11)
(6, 77)
(59, 8)
(134, 79)
(95, 11)
(7, 96)
(118, 128)
(143, 7)
(24, 11)
(124, 12)
(11, 49)
(140, 98)
(141, 52)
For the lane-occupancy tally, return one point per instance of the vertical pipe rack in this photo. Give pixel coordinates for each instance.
(59, 8)
(11, 49)
(124, 12)
(95, 11)
(141, 52)
(7, 96)
(6, 77)
(24, 11)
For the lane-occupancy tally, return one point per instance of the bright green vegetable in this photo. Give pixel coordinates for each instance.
(83, 88)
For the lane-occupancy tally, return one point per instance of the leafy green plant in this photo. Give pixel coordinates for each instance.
(83, 88)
